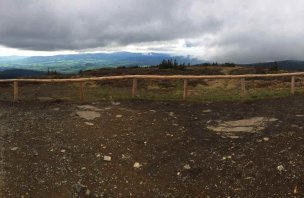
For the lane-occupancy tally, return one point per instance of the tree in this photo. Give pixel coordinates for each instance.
(274, 67)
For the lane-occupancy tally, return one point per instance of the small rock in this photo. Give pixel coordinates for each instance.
(35, 152)
(266, 139)
(115, 103)
(88, 193)
(89, 123)
(280, 168)
(107, 158)
(207, 111)
(137, 165)
(88, 115)
(14, 148)
(118, 116)
(83, 168)
(62, 150)
(187, 167)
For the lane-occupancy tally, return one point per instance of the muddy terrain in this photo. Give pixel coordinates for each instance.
(141, 148)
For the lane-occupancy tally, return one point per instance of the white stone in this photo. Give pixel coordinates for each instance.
(118, 116)
(88, 193)
(14, 148)
(107, 158)
(62, 150)
(137, 165)
(280, 168)
(266, 139)
(187, 167)
(88, 115)
(232, 128)
(89, 123)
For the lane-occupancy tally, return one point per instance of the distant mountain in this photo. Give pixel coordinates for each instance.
(15, 73)
(291, 65)
(73, 63)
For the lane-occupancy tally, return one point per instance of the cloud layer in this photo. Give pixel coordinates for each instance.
(234, 30)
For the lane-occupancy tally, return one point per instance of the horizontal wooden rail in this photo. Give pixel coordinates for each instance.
(81, 81)
(154, 77)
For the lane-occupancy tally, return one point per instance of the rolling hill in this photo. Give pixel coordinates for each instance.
(73, 63)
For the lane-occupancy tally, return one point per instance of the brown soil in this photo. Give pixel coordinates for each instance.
(48, 151)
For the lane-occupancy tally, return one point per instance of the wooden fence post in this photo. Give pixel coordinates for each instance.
(185, 89)
(16, 91)
(292, 90)
(81, 91)
(134, 88)
(243, 86)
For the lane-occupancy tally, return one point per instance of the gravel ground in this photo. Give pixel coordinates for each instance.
(150, 149)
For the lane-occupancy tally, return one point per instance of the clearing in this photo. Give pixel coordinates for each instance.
(146, 148)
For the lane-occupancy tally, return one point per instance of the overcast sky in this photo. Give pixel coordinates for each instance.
(218, 30)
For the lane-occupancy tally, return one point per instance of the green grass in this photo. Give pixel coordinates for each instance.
(156, 93)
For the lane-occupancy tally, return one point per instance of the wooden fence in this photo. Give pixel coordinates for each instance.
(135, 79)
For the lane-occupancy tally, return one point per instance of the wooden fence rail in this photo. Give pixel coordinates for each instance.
(135, 79)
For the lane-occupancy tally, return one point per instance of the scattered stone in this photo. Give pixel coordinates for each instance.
(171, 114)
(56, 109)
(207, 111)
(272, 120)
(83, 168)
(187, 167)
(118, 116)
(35, 152)
(89, 123)
(178, 173)
(137, 165)
(88, 108)
(300, 116)
(226, 157)
(280, 168)
(153, 111)
(115, 103)
(88, 115)
(231, 128)
(14, 149)
(107, 158)
(266, 139)
(88, 193)
(62, 150)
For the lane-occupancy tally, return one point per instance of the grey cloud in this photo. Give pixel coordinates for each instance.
(234, 30)
(62, 24)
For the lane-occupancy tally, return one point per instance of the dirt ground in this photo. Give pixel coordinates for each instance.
(157, 149)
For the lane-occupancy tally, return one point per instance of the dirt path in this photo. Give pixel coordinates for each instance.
(154, 149)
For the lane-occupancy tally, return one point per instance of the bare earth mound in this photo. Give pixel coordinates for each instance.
(153, 149)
